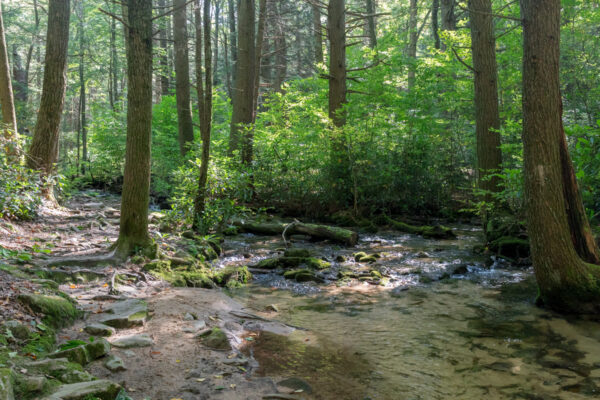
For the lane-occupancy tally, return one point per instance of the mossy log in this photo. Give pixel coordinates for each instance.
(316, 231)
(428, 232)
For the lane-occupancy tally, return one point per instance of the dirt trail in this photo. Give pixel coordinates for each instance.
(178, 364)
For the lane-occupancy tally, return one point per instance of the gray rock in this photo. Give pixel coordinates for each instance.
(102, 389)
(115, 364)
(98, 348)
(6, 387)
(18, 330)
(236, 362)
(216, 339)
(126, 314)
(48, 366)
(30, 384)
(188, 317)
(128, 342)
(292, 385)
(129, 353)
(98, 329)
(75, 376)
(195, 327)
(77, 355)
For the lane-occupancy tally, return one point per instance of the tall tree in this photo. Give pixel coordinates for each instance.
(232, 38)
(82, 91)
(317, 33)
(258, 53)
(435, 23)
(204, 105)
(371, 27)
(182, 76)
(243, 104)
(163, 60)
(336, 26)
(566, 282)
(215, 67)
(487, 116)
(43, 152)
(448, 17)
(412, 42)
(9, 118)
(133, 230)
(280, 50)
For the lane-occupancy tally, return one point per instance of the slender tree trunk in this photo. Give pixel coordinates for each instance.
(280, 51)
(318, 34)
(82, 91)
(133, 232)
(43, 152)
(566, 282)
(336, 26)
(205, 107)
(182, 76)
(371, 27)
(487, 116)
(448, 17)
(243, 103)
(215, 67)
(9, 118)
(412, 43)
(114, 70)
(260, 36)
(232, 42)
(164, 62)
(435, 24)
(21, 86)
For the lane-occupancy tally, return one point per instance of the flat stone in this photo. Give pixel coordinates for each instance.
(102, 389)
(195, 327)
(115, 364)
(77, 355)
(292, 385)
(98, 329)
(6, 387)
(48, 366)
(31, 383)
(128, 342)
(98, 348)
(75, 376)
(126, 314)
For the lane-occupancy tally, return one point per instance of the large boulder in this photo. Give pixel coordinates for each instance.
(58, 310)
(126, 314)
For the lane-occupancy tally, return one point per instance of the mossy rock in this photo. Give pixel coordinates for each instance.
(232, 277)
(268, 263)
(359, 255)
(6, 384)
(100, 389)
(347, 274)
(216, 339)
(502, 225)
(58, 310)
(98, 348)
(302, 275)
(230, 231)
(511, 247)
(78, 355)
(26, 386)
(376, 274)
(437, 232)
(302, 253)
(317, 263)
(160, 266)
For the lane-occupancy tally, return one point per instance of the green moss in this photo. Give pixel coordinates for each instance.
(376, 274)
(317, 263)
(302, 275)
(158, 266)
(428, 232)
(230, 231)
(216, 339)
(58, 311)
(510, 247)
(302, 253)
(232, 277)
(359, 255)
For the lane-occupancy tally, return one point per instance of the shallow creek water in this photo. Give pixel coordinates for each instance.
(474, 336)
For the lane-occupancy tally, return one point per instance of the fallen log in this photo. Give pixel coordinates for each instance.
(428, 232)
(316, 231)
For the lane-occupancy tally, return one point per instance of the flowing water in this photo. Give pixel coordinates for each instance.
(471, 336)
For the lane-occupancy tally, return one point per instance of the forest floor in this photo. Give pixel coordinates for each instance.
(173, 360)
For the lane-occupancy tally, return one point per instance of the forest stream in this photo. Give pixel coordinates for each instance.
(441, 324)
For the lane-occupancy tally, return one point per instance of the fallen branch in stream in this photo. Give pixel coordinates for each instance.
(316, 231)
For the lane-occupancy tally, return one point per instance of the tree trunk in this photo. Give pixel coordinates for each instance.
(133, 232)
(487, 117)
(566, 282)
(20, 84)
(371, 27)
(43, 152)
(9, 118)
(244, 84)
(280, 51)
(260, 37)
(336, 24)
(215, 67)
(448, 18)
(204, 106)
(82, 105)
(232, 41)
(163, 60)
(182, 76)
(435, 25)
(318, 34)
(412, 43)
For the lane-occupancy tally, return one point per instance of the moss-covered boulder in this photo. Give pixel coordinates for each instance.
(510, 247)
(97, 329)
(316, 263)
(301, 253)
(98, 348)
(216, 339)
(58, 311)
(126, 314)
(59, 368)
(231, 277)
(6, 384)
(302, 275)
(100, 389)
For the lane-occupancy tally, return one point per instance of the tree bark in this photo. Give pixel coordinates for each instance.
(215, 67)
(336, 25)
(317, 34)
(182, 77)
(82, 91)
(435, 24)
(232, 41)
(204, 105)
(260, 37)
(133, 232)
(371, 27)
(9, 117)
(280, 51)
(566, 283)
(163, 60)
(412, 43)
(448, 18)
(487, 116)
(43, 152)
(243, 104)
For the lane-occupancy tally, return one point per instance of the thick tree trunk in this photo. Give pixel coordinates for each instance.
(435, 24)
(182, 77)
(43, 152)
(448, 17)
(243, 104)
(205, 105)
(9, 118)
(487, 116)
(133, 232)
(412, 43)
(371, 27)
(317, 34)
(163, 60)
(566, 282)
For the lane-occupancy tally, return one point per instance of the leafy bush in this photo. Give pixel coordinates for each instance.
(20, 192)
